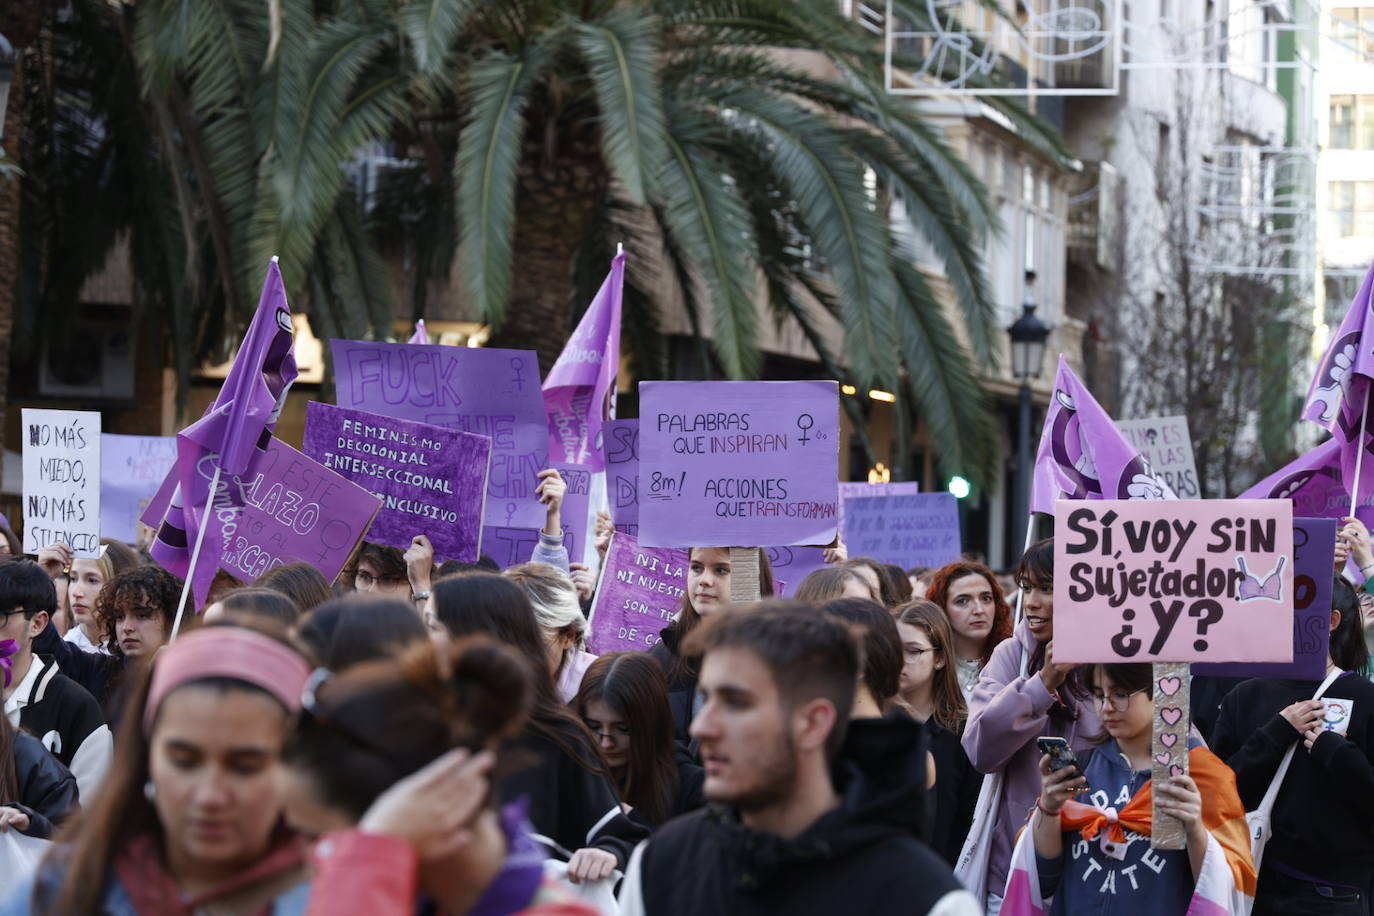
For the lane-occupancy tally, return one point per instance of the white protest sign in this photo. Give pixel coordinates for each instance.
(1165, 443)
(62, 480)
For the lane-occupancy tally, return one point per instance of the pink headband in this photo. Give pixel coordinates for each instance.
(232, 652)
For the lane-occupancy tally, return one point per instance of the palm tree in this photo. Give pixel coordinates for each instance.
(744, 147)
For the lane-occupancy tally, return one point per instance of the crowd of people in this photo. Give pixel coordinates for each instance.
(436, 738)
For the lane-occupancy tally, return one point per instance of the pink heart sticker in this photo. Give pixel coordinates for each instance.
(1163, 758)
(1168, 739)
(1171, 714)
(1175, 770)
(1169, 685)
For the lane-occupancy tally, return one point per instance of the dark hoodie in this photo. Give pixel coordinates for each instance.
(682, 685)
(862, 857)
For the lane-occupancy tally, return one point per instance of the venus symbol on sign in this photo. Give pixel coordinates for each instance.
(804, 426)
(518, 365)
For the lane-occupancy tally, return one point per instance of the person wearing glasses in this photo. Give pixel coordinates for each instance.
(189, 819)
(1091, 826)
(624, 702)
(930, 689)
(1022, 694)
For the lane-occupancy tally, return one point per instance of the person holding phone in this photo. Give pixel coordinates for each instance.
(1093, 856)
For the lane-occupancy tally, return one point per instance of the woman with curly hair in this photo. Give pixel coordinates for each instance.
(971, 597)
(134, 617)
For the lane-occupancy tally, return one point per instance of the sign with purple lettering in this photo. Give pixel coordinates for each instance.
(738, 463)
(431, 480)
(857, 490)
(914, 529)
(493, 393)
(640, 590)
(294, 509)
(510, 546)
(131, 470)
(1314, 543)
(621, 442)
(793, 564)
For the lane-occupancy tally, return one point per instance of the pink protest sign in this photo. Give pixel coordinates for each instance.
(431, 480)
(493, 393)
(738, 463)
(640, 590)
(1173, 580)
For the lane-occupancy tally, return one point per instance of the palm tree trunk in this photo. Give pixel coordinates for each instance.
(555, 203)
(19, 22)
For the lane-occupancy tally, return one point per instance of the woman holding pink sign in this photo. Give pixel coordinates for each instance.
(1022, 695)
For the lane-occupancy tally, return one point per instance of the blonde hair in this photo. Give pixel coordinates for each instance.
(554, 598)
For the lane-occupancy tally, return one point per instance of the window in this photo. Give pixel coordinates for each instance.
(1352, 34)
(1351, 205)
(1351, 122)
(1162, 154)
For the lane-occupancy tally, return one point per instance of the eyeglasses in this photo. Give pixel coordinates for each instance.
(1116, 699)
(365, 579)
(618, 732)
(6, 615)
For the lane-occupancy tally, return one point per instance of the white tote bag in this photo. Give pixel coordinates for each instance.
(1259, 819)
(20, 855)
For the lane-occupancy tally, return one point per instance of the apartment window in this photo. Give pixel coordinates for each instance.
(1351, 205)
(1162, 154)
(1352, 122)
(1352, 32)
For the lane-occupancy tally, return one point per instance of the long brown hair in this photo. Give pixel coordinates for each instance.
(684, 666)
(949, 710)
(938, 592)
(633, 684)
(90, 841)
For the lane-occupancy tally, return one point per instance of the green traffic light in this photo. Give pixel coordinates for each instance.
(959, 487)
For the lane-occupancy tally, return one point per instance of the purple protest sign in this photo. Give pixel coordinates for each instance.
(493, 393)
(640, 590)
(858, 490)
(793, 564)
(1314, 543)
(131, 470)
(738, 463)
(509, 546)
(287, 508)
(621, 444)
(431, 480)
(920, 529)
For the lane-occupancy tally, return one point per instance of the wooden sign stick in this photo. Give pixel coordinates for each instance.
(744, 575)
(1169, 746)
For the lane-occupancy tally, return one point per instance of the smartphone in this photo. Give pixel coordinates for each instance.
(1061, 755)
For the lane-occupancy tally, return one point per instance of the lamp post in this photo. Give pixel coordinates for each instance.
(6, 78)
(1028, 335)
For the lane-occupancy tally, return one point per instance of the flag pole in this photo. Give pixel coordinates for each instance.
(1359, 455)
(195, 554)
(1030, 532)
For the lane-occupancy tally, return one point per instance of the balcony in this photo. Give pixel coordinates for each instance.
(1094, 223)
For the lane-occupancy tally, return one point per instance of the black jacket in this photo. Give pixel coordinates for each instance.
(103, 676)
(1323, 820)
(862, 857)
(954, 799)
(572, 800)
(47, 790)
(68, 721)
(682, 686)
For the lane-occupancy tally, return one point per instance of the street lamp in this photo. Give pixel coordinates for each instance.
(1028, 335)
(6, 78)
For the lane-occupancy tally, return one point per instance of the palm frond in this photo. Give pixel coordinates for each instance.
(489, 151)
(621, 51)
(429, 27)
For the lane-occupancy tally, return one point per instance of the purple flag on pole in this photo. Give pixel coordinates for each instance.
(230, 435)
(1083, 455)
(579, 393)
(1315, 485)
(1339, 397)
(421, 336)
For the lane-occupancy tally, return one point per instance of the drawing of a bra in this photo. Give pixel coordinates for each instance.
(1251, 588)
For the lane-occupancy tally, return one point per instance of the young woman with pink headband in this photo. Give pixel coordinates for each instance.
(189, 818)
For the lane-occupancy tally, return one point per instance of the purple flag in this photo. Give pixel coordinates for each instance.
(1339, 397)
(1083, 455)
(421, 336)
(1313, 482)
(231, 435)
(579, 394)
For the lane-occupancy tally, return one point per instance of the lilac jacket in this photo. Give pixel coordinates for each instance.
(1005, 715)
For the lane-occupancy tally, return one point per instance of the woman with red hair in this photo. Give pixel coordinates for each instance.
(972, 599)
